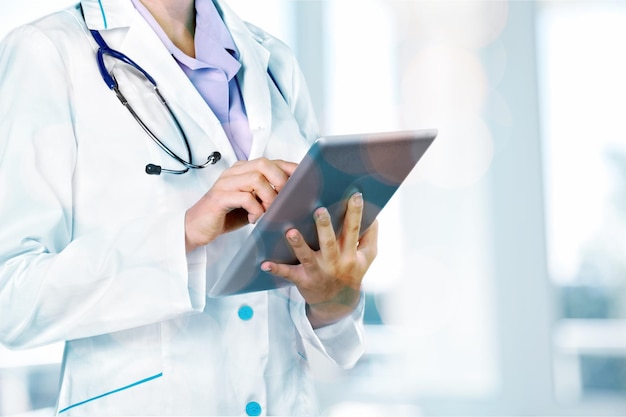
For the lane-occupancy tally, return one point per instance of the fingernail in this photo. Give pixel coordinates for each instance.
(293, 237)
(357, 198)
(321, 214)
(266, 267)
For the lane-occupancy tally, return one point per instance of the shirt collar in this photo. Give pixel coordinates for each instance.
(209, 24)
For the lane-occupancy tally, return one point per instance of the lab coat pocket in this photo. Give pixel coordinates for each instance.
(113, 374)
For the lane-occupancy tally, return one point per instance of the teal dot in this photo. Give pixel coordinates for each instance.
(253, 409)
(245, 313)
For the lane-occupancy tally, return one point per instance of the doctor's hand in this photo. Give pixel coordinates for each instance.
(240, 196)
(330, 279)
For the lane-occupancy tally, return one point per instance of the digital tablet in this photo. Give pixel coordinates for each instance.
(334, 168)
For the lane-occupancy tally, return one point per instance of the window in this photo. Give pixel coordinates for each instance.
(583, 99)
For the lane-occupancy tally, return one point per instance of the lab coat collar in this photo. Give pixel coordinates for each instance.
(253, 78)
(107, 14)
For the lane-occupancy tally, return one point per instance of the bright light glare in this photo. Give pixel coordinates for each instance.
(584, 102)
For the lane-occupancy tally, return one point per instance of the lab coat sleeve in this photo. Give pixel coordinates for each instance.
(342, 342)
(55, 286)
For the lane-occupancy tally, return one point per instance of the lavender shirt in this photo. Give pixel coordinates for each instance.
(212, 71)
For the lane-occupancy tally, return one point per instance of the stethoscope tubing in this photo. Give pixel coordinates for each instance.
(112, 84)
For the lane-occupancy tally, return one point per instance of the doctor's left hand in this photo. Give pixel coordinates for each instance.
(330, 279)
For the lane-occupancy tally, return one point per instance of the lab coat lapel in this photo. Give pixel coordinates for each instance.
(253, 80)
(202, 127)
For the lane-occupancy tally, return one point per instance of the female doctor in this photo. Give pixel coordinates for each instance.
(116, 262)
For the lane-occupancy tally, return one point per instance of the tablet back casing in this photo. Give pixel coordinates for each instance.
(334, 168)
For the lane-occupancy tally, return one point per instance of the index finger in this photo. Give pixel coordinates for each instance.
(287, 167)
(277, 171)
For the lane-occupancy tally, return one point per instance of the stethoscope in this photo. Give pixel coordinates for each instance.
(111, 82)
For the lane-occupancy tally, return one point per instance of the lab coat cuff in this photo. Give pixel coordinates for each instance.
(338, 328)
(342, 341)
(195, 262)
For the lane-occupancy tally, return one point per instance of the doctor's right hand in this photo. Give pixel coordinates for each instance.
(241, 194)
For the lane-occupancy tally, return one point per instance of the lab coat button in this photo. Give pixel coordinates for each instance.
(253, 409)
(245, 313)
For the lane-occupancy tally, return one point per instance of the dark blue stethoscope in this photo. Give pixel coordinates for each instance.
(111, 82)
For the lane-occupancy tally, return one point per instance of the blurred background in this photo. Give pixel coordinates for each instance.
(500, 287)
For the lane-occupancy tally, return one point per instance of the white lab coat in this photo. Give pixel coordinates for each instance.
(92, 249)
